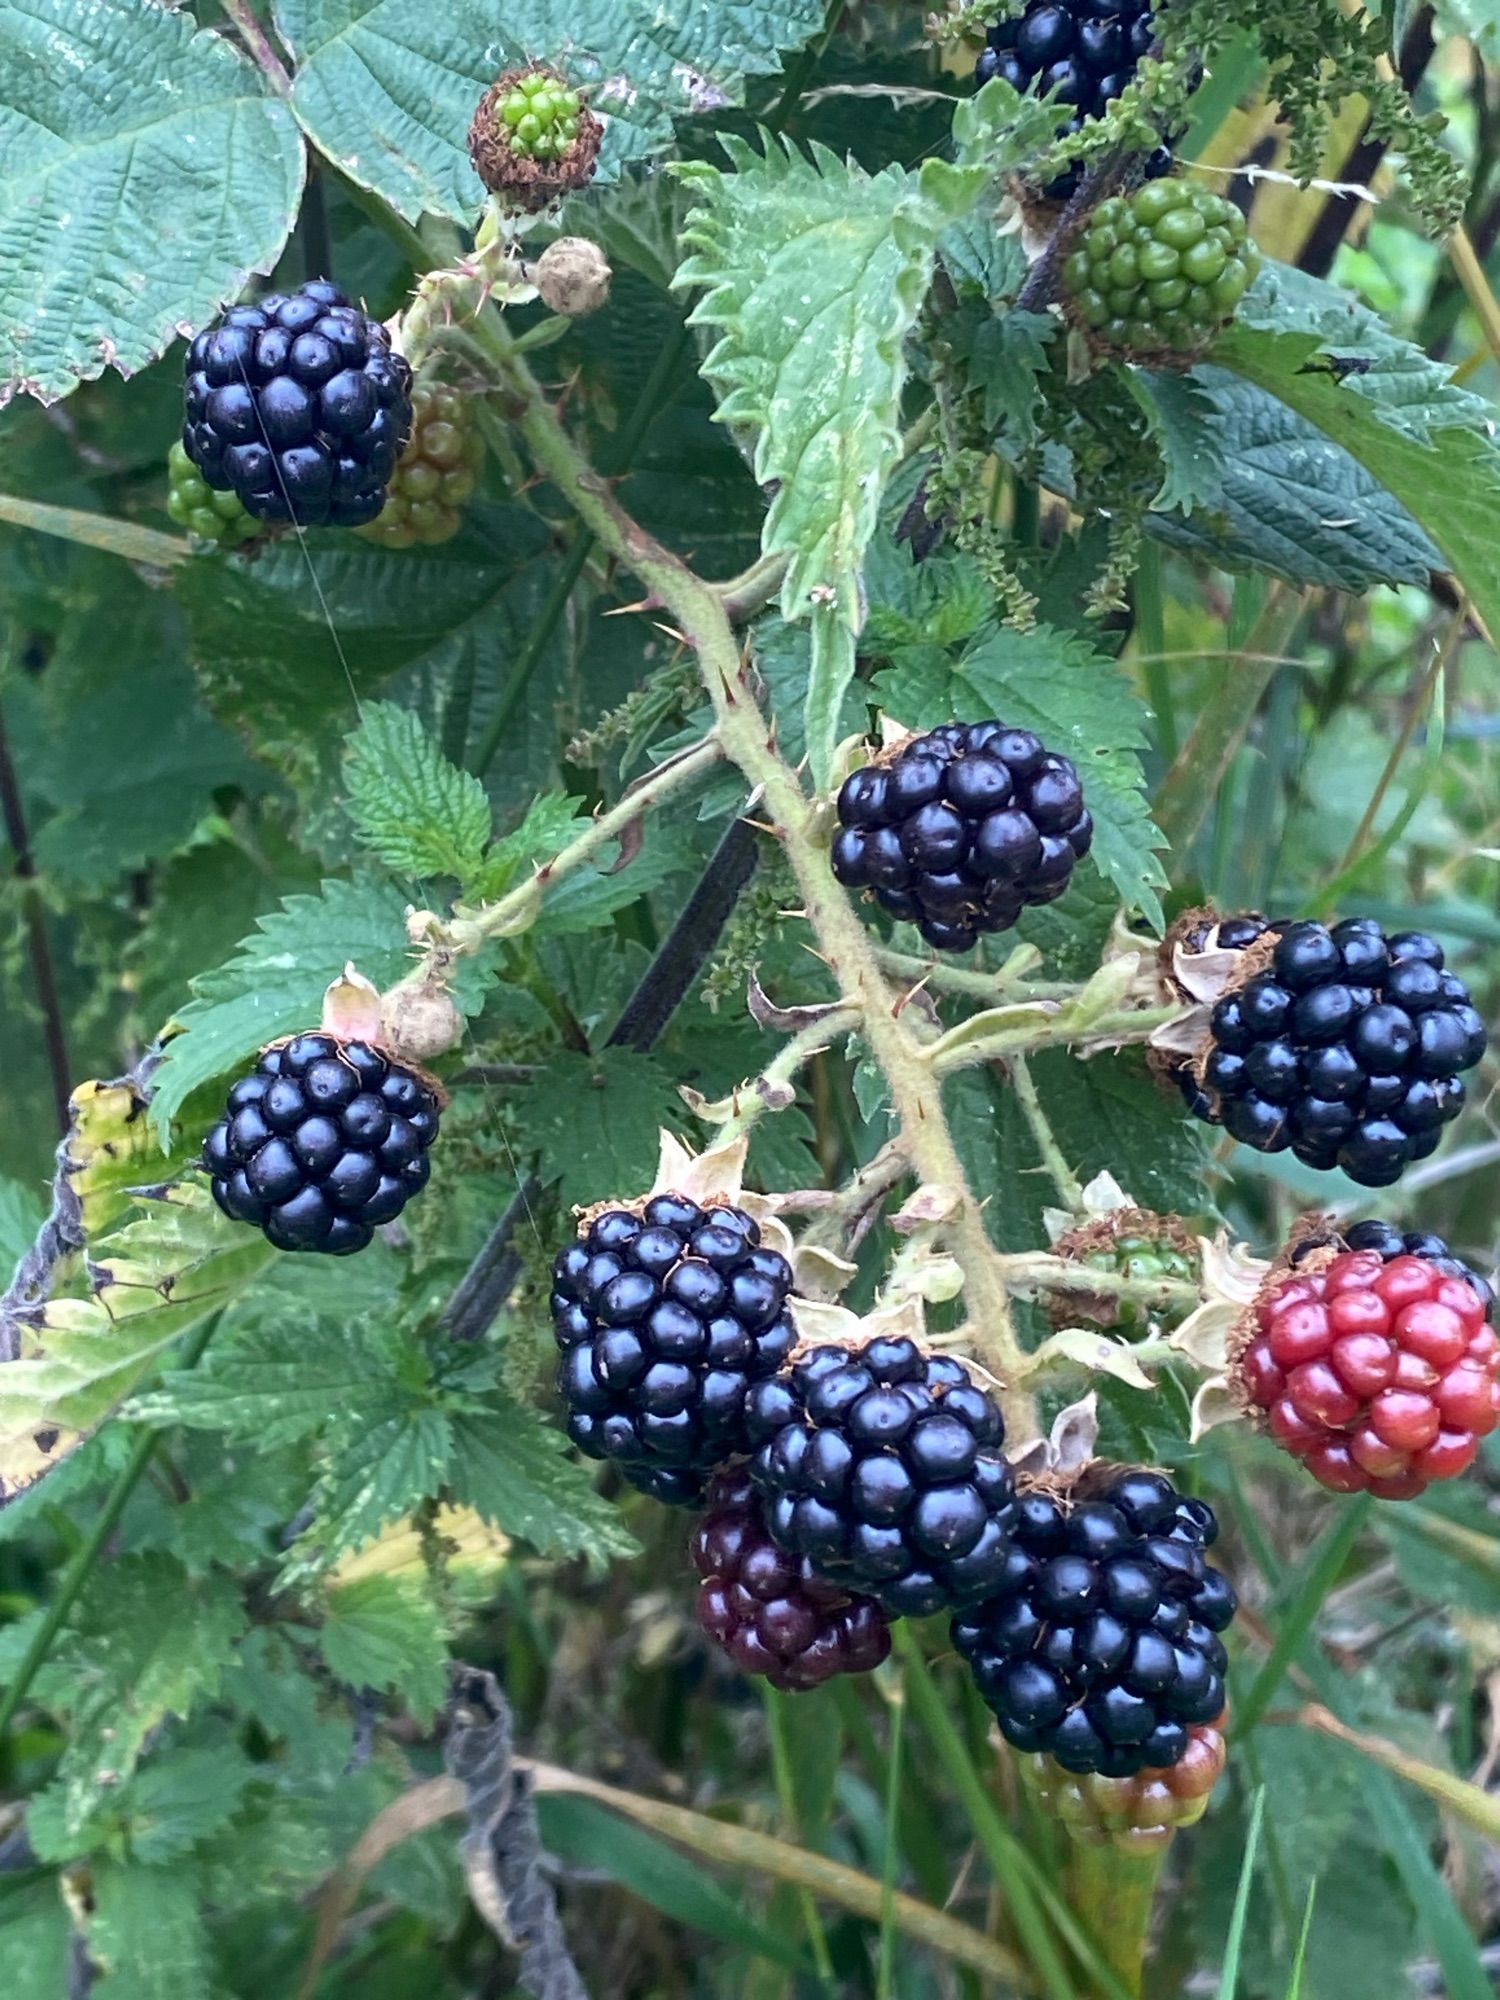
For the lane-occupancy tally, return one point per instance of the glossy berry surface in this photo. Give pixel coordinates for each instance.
(1380, 1376)
(321, 1143)
(1160, 270)
(194, 505)
(298, 407)
(541, 115)
(882, 1465)
(1139, 1814)
(962, 830)
(436, 475)
(665, 1318)
(1103, 1650)
(1347, 1047)
(770, 1611)
(1389, 1242)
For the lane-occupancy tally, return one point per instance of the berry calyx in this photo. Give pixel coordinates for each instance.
(194, 505)
(322, 1142)
(882, 1465)
(1156, 273)
(962, 829)
(1380, 1375)
(299, 407)
(534, 139)
(666, 1312)
(435, 476)
(1344, 1044)
(771, 1612)
(1102, 1650)
(1136, 1814)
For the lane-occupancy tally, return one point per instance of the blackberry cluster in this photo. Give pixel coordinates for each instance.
(882, 1466)
(1086, 51)
(299, 407)
(1159, 271)
(1347, 1047)
(1140, 1814)
(1102, 1649)
(1380, 1375)
(321, 1143)
(436, 475)
(770, 1611)
(962, 830)
(665, 1318)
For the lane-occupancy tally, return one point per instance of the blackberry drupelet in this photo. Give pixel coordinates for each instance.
(771, 1612)
(1102, 1650)
(1347, 1046)
(882, 1465)
(1380, 1375)
(322, 1142)
(299, 407)
(193, 504)
(963, 829)
(437, 473)
(665, 1318)
(1160, 271)
(1389, 1242)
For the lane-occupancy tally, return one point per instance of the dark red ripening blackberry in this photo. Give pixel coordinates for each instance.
(1347, 1047)
(882, 1465)
(321, 1143)
(299, 407)
(665, 1317)
(771, 1612)
(1390, 1242)
(963, 829)
(1103, 1648)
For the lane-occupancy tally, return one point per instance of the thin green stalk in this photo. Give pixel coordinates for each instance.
(1318, 1579)
(1115, 1890)
(890, 1860)
(786, 1796)
(1230, 1977)
(1069, 1190)
(81, 1567)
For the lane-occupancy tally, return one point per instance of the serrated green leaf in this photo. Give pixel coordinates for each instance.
(1078, 702)
(389, 90)
(145, 172)
(145, 1931)
(547, 826)
(1180, 415)
(813, 273)
(386, 1633)
(519, 1474)
(412, 809)
(594, 1119)
(170, 1803)
(36, 1934)
(378, 1473)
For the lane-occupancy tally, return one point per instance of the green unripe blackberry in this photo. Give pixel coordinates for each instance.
(542, 114)
(193, 504)
(534, 139)
(1140, 1246)
(435, 476)
(1159, 271)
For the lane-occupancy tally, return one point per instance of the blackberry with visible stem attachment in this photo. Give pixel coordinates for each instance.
(665, 1316)
(962, 829)
(1102, 1649)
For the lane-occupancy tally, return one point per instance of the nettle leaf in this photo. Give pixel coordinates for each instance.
(1180, 415)
(594, 1119)
(387, 1633)
(1078, 702)
(412, 809)
(813, 273)
(389, 90)
(518, 1473)
(80, 1358)
(146, 1933)
(145, 172)
(172, 1801)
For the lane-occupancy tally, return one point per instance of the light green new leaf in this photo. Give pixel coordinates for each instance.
(389, 89)
(813, 273)
(386, 1633)
(412, 809)
(518, 1473)
(145, 172)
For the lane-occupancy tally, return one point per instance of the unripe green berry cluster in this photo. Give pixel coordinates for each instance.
(193, 504)
(436, 475)
(1142, 1259)
(1161, 270)
(541, 115)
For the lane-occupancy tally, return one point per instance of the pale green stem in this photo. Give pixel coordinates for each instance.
(1069, 1191)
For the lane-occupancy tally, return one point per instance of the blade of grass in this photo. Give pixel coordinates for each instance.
(1317, 1573)
(786, 1795)
(891, 1859)
(1229, 1978)
(1294, 1985)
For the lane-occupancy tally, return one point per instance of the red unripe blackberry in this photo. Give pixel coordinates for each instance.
(771, 1612)
(437, 473)
(665, 1316)
(1137, 1814)
(962, 829)
(1381, 1376)
(882, 1465)
(322, 1142)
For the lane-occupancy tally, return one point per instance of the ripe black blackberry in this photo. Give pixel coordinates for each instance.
(665, 1317)
(771, 1612)
(1391, 1242)
(963, 829)
(298, 406)
(1347, 1046)
(1084, 50)
(324, 1140)
(1103, 1648)
(882, 1465)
